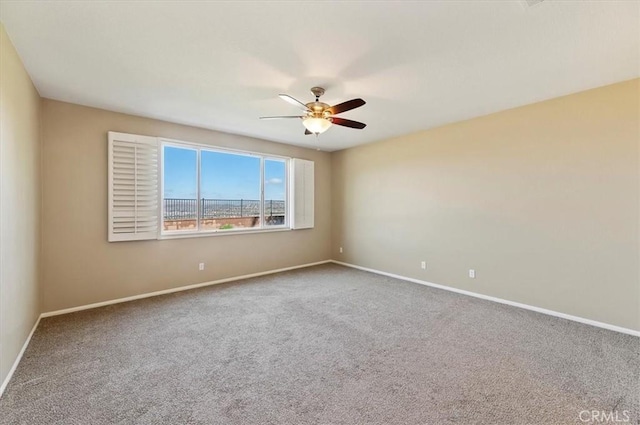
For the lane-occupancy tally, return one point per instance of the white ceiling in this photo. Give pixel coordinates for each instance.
(419, 64)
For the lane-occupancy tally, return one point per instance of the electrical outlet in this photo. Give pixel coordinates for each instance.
(472, 273)
(340, 250)
(201, 266)
(423, 264)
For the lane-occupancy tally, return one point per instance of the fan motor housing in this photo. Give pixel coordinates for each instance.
(317, 108)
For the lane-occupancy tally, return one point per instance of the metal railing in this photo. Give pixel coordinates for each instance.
(187, 209)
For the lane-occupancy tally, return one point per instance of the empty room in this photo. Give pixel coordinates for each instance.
(320, 212)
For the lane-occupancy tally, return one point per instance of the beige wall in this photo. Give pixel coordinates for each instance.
(19, 204)
(542, 201)
(80, 267)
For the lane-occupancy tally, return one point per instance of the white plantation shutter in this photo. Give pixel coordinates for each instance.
(133, 187)
(302, 193)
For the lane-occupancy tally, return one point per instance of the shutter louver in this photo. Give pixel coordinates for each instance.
(133, 187)
(302, 192)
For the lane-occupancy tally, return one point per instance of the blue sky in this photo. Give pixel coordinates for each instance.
(224, 176)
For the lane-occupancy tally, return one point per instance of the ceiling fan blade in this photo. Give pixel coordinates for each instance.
(348, 123)
(346, 106)
(281, 116)
(307, 132)
(293, 101)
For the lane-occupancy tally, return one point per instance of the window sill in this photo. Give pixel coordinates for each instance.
(204, 234)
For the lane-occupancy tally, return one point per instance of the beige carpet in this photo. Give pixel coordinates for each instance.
(323, 345)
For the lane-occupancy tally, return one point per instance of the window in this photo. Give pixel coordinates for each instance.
(160, 188)
(180, 187)
(211, 190)
(275, 192)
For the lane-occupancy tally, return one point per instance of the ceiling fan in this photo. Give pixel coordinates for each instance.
(319, 116)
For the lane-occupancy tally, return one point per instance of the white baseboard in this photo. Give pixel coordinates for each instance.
(18, 358)
(498, 300)
(178, 289)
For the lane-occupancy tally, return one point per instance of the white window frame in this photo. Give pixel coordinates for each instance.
(198, 232)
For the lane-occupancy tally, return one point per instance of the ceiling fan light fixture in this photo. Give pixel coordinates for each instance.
(318, 116)
(316, 125)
